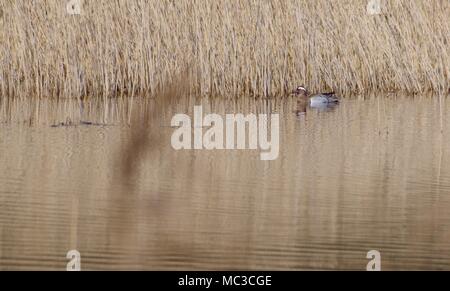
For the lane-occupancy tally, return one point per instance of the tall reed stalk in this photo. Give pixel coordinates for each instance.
(235, 47)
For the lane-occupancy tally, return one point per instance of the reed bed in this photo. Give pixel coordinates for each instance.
(232, 47)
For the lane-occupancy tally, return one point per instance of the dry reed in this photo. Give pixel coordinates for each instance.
(239, 47)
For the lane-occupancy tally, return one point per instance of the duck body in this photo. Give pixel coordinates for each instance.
(316, 100)
(323, 99)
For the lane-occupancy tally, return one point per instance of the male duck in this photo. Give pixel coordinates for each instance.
(320, 99)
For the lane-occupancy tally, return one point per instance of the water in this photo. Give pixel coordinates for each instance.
(370, 174)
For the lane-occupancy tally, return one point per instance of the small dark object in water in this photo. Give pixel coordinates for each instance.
(63, 124)
(70, 123)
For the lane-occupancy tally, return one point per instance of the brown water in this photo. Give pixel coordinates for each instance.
(371, 174)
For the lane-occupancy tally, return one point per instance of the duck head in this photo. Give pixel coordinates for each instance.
(300, 91)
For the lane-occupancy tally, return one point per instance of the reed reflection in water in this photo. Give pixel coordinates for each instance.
(373, 173)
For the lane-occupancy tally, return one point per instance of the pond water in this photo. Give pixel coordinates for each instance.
(369, 174)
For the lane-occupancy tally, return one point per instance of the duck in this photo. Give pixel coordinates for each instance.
(316, 100)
